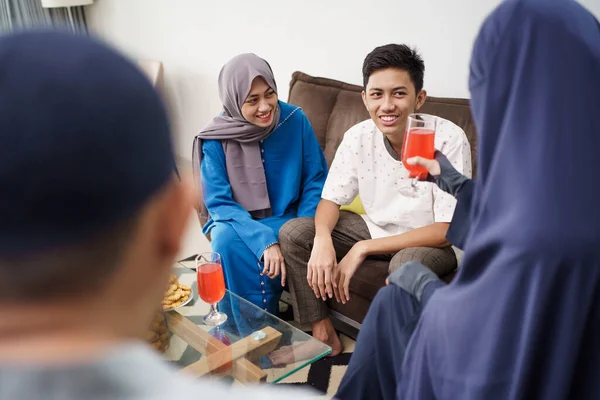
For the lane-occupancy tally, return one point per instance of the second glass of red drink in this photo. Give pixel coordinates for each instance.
(211, 286)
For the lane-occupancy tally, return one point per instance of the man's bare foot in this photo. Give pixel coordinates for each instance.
(324, 331)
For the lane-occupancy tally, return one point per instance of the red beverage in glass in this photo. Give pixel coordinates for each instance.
(418, 142)
(211, 284)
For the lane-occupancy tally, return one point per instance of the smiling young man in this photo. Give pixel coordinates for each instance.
(400, 224)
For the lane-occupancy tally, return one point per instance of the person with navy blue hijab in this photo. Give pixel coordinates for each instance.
(92, 217)
(522, 318)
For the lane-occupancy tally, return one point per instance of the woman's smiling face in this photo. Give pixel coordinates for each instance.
(260, 104)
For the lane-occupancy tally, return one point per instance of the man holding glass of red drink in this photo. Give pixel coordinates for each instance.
(405, 219)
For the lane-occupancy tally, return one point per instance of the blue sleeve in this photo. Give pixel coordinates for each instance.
(218, 199)
(461, 220)
(314, 171)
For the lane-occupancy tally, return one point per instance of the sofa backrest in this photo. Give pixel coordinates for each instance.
(333, 107)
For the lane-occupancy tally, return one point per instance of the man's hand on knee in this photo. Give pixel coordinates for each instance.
(321, 266)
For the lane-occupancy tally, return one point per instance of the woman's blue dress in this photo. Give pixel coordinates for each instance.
(295, 171)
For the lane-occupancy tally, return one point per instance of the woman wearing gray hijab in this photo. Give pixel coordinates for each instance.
(258, 165)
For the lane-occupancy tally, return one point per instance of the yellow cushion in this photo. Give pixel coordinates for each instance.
(356, 206)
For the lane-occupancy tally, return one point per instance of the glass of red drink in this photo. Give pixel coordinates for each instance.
(418, 141)
(211, 286)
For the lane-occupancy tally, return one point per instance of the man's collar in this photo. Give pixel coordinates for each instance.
(390, 149)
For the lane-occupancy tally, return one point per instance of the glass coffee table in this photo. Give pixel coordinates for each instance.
(251, 346)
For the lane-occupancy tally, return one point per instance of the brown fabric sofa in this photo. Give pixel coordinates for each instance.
(332, 108)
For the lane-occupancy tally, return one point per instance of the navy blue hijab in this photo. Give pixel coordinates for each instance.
(85, 141)
(522, 318)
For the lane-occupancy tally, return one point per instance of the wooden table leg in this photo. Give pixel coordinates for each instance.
(236, 351)
(192, 334)
(243, 370)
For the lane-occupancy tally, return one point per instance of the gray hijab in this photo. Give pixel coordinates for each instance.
(240, 138)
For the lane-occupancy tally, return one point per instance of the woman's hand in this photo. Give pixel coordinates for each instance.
(441, 172)
(274, 263)
(432, 166)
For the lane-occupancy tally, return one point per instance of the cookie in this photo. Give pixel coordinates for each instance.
(175, 296)
(180, 301)
(171, 290)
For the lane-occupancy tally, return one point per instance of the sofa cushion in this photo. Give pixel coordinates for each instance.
(459, 112)
(333, 107)
(356, 309)
(348, 110)
(356, 207)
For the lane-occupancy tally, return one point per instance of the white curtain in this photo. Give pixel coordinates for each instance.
(27, 14)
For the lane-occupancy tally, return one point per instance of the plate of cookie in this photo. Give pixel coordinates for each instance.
(177, 295)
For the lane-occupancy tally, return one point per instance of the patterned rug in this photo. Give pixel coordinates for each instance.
(326, 374)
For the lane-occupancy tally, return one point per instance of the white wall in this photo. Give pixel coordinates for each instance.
(330, 38)
(194, 38)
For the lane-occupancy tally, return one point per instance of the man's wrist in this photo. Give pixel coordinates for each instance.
(323, 236)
